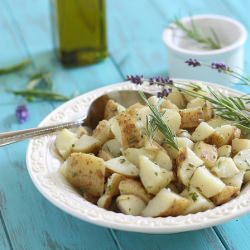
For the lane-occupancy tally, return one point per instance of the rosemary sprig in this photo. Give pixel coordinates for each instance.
(40, 80)
(156, 121)
(193, 33)
(15, 67)
(40, 94)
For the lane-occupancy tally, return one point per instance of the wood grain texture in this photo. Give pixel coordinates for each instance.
(134, 30)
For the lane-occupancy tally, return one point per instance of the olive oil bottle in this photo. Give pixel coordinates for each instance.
(80, 31)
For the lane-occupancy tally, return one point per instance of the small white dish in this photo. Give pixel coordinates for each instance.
(231, 34)
(43, 164)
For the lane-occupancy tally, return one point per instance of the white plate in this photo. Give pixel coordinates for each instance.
(43, 164)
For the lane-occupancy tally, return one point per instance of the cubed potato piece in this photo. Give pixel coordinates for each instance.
(178, 99)
(86, 172)
(130, 186)
(172, 119)
(183, 133)
(236, 180)
(215, 139)
(86, 144)
(64, 141)
(104, 155)
(152, 176)
(130, 204)
(166, 203)
(104, 201)
(218, 122)
(113, 182)
(187, 162)
(225, 195)
(122, 166)
(242, 160)
(142, 117)
(206, 152)
(79, 131)
(202, 132)
(112, 108)
(181, 142)
(197, 202)
(102, 132)
(247, 176)
(208, 184)
(113, 147)
(191, 118)
(225, 151)
(225, 167)
(205, 105)
(123, 126)
(240, 144)
(163, 160)
(133, 154)
(167, 104)
(229, 133)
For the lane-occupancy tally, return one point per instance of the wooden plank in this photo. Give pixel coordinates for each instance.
(32, 222)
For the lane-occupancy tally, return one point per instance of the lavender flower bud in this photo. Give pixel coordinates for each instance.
(220, 66)
(22, 113)
(193, 62)
(135, 79)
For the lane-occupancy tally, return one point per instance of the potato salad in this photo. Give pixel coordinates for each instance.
(125, 165)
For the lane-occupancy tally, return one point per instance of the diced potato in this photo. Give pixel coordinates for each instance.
(247, 176)
(130, 186)
(205, 105)
(229, 133)
(191, 118)
(172, 118)
(177, 98)
(64, 141)
(86, 144)
(133, 154)
(242, 160)
(163, 160)
(206, 152)
(112, 108)
(104, 201)
(236, 180)
(154, 100)
(240, 144)
(225, 151)
(86, 172)
(143, 114)
(167, 104)
(183, 133)
(166, 203)
(225, 167)
(208, 184)
(104, 155)
(197, 202)
(113, 182)
(122, 166)
(187, 162)
(102, 132)
(130, 204)
(202, 132)
(125, 131)
(218, 122)
(181, 142)
(113, 147)
(152, 176)
(226, 194)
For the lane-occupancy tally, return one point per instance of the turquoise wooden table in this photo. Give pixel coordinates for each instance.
(29, 221)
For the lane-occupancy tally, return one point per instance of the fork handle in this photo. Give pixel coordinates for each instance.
(19, 135)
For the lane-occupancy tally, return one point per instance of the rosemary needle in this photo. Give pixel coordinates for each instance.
(156, 120)
(15, 67)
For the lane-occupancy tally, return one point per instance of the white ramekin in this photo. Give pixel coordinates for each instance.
(232, 36)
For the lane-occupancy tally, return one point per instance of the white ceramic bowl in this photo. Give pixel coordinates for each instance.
(43, 164)
(232, 36)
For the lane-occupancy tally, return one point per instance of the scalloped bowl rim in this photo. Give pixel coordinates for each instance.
(69, 201)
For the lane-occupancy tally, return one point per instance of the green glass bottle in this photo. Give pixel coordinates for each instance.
(80, 31)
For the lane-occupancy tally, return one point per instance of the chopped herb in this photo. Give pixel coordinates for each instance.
(156, 174)
(247, 162)
(73, 145)
(122, 160)
(191, 165)
(194, 196)
(15, 67)
(74, 174)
